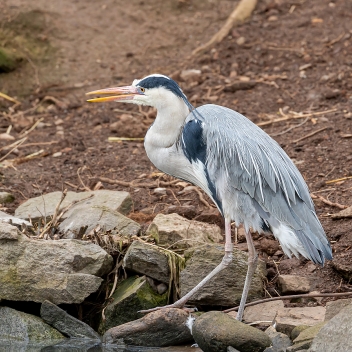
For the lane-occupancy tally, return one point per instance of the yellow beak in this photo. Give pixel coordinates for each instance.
(115, 94)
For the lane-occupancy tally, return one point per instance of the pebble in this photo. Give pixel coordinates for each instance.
(159, 190)
(241, 40)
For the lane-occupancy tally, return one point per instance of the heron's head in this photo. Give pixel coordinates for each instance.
(154, 90)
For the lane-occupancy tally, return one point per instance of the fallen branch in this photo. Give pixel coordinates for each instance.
(137, 185)
(311, 134)
(12, 100)
(337, 205)
(339, 179)
(242, 11)
(305, 295)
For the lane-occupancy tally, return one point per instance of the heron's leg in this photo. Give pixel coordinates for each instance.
(226, 260)
(252, 265)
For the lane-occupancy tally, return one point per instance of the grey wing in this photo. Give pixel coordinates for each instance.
(250, 161)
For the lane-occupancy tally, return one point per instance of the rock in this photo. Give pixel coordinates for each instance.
(79, 345)
(187, 211)
(63, 271)
(293, 284)
(8, 62)
(190, 75)
(345, 213)
(215, 331)
(335, 335)
(9, 232)
(288, 318)
(279, 341)
(269, 246)
(241, 40)
(211, 216)
(15, 325)
(239, 85)
(65, 323)
(84, 218)
(164, 327)
(262, 312)
(334, 307)
(131, 296)
(35, 208)
(6, 197)
(299, 347)
(297, 330)
(172, 228)
(225, 289)
(307, 335)
(150, 260)
(13, 220)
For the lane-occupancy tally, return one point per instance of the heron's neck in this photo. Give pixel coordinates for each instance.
(171, 115)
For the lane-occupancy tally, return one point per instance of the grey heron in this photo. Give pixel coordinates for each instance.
(242, 169)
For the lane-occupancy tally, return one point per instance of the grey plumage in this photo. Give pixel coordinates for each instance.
(242, 158)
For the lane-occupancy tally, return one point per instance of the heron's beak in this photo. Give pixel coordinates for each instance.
(115, 94)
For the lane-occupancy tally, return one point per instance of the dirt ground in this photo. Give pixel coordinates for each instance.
(291, 57)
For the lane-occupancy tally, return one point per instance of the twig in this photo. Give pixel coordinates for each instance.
(5, 96)
(289, 129)
(336, 40)
(305, 295)
(311, 134)
(137, 185)
(337, 205)
(201, 198)
(17, 144)
(80, 179)
(118, 265)
(119, 139)
(128, 112)
(296, 116)
(242, 11)
(32, 128)
(338, 179)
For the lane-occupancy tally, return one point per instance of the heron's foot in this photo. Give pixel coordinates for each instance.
(174, 305)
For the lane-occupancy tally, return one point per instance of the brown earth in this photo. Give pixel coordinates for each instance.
(290, 57)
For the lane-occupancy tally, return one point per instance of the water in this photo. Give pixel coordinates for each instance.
(84, 345)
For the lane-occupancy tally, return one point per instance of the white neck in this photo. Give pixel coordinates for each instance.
(171, 114)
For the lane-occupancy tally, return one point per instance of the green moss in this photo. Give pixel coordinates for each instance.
(8, 62)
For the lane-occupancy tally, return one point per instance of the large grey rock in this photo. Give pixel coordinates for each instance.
(63, 271)
(65, 323)
(84, 218)
(173, 229)
(336, 334)
(262, 312)
(9, 232)
(13, 220)
(225, 289)
(335, 307)
(164, 327)
(288, 318)
(15, 325)
(147, 259)
(215, 331)
(36, 208)
(293, 284)
(307, 335)
(131, 296)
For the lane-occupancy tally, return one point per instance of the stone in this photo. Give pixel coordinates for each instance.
(225, 289)
(334, 307)
(147, 259)
(335, 335)
(13, 220)
(279, 341)
(262, 312)
(299, 347)
(9, 232)
(164, 327)
(187, 211)
(15, 325)
(288, 318)
(297, 330)
(190, 75)
(307, 335)
(173, 229)
(293, 284)
(215, 331)
(84, 218)
(345, 213)
(62, 271)
(269, 246)
(131, 296)
(65, 323)
(36, 208)
(6, 197)
(80, 345)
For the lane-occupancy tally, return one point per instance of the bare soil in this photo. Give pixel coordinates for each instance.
(290, 57)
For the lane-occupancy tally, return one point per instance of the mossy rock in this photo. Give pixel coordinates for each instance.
(131, 296)
(8, 62)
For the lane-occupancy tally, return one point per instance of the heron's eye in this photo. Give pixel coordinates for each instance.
(142, 89)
